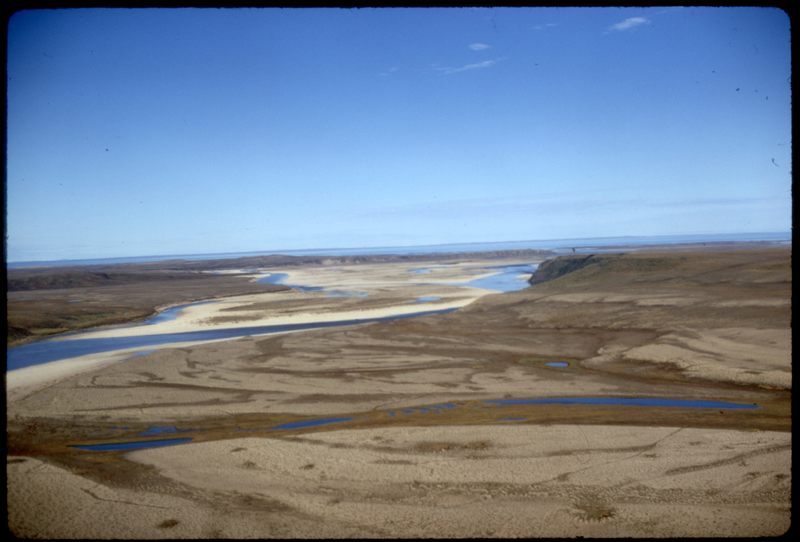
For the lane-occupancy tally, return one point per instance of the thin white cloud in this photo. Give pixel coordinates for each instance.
(630, 22)
(557, 204)
(543, 26)
(468, 67)
(390, 71)
(478, 46)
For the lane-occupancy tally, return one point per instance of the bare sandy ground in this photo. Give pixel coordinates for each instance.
(498, 481)
(699, 326)
(741, 355)
(188, 382)
(29, 380)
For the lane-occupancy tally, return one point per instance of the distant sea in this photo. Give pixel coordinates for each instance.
(558, 245)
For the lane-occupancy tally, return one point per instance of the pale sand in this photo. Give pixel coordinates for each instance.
(376, 280)
(743, 355)
(760, 356)
(198, 318)
(463, 481)
(385, 275)
(78, 508)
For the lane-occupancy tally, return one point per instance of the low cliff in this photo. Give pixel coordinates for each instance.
(560, 266)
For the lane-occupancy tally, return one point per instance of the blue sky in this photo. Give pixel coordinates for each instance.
(155, 131)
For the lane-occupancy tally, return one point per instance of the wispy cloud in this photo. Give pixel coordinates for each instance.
(478, 46)
(543, 26)
(558, 204)
(467, 67)
(390, 71)
(627, 24)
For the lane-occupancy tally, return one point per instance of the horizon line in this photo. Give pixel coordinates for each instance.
(270, 252)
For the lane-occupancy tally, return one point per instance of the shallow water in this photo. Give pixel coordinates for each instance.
(560, 364)
(52, 350)
(170, 313)
(280, 278)
(346, 293)
(160, 430)
(310, 423)
(510, 279)
(427, 298)
(626, 401)
(437, 408)
(273, 278)
(427, 409)
(138, 445)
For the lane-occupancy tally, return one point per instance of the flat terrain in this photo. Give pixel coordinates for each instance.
(412, 447)
(57, 302)
(44, 301)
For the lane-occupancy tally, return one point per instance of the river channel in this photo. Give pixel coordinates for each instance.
(507, 278)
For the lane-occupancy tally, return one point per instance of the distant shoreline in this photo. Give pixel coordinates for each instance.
(638, 241)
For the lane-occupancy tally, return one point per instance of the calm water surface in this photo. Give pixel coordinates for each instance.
(510, 279)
